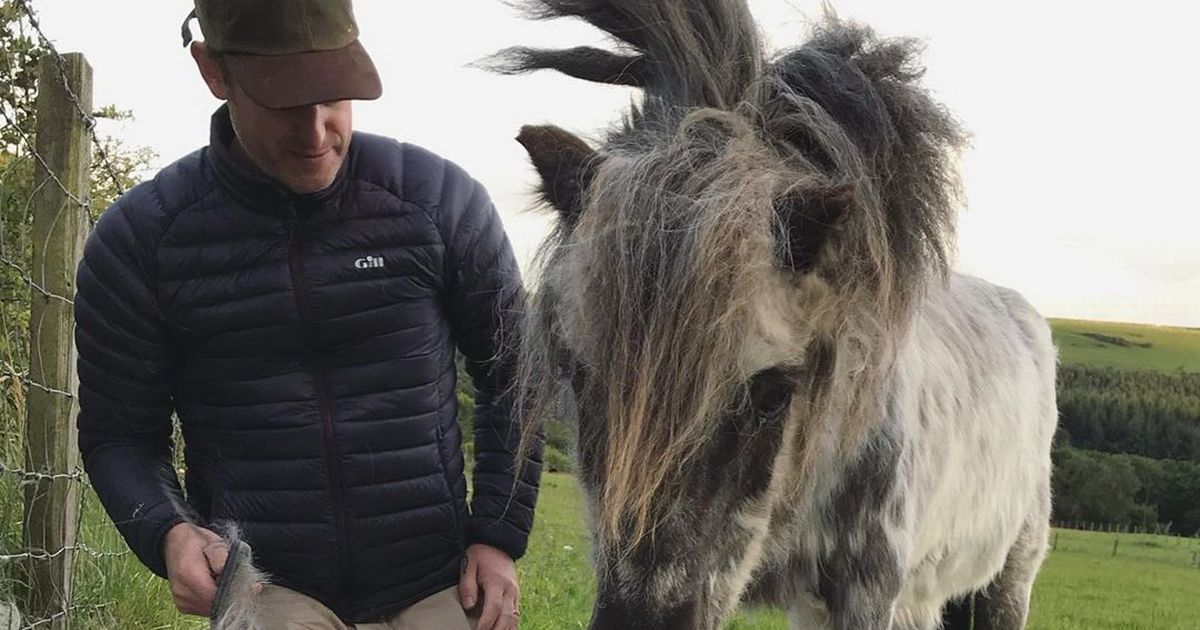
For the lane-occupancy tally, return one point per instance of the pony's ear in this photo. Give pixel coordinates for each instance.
(808, 222)
(566, 164)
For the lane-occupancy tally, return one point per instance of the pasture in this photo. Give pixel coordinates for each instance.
(1152, 583)
(1127, 346)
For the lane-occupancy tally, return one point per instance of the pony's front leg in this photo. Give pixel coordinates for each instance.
(861, 571)
(860, 590)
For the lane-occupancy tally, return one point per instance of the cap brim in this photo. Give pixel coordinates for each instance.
(308, 78)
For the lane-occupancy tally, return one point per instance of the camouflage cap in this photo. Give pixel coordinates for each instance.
(288, 53)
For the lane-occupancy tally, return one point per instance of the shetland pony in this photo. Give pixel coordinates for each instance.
(784, 396)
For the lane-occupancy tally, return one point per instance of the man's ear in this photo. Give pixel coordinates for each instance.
(210, 70)
(566, 165)
(809, 222)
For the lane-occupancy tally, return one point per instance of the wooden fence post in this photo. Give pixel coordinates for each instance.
(59, 229)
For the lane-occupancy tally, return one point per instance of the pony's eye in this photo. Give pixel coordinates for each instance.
(770, 394)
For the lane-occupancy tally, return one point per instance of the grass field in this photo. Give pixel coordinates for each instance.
(1127, 346)
(1152, 583)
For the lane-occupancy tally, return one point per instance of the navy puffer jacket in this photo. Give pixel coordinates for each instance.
(307, 345)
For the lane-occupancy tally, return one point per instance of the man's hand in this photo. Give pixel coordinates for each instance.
(491, 571)
(195, 558)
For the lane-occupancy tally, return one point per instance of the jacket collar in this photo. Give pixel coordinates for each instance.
(254, 189)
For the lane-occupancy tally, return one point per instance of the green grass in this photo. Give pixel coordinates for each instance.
(556, 578)
(1127, 346)
(1151, 584)
(119, 592)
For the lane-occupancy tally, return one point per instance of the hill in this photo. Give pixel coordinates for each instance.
(1127, 346)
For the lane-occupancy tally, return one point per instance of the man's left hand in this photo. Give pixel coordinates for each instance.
(491, 576)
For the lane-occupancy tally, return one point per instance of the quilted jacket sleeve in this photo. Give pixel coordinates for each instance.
(124, 387)
(485, 304)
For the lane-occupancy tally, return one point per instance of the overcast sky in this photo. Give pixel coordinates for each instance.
(1081, 179)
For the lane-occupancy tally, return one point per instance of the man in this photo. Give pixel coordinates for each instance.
(294, 293)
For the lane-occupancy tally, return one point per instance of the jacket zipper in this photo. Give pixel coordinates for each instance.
(332, 452)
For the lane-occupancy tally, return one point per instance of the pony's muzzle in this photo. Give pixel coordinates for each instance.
(618, 615)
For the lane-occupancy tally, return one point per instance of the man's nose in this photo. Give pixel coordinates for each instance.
(309, 125)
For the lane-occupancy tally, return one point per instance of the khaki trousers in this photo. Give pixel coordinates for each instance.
(285, 609)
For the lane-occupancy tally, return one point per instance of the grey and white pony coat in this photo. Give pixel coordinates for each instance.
(784, 396)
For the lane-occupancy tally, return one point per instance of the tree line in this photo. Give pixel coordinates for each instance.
(1139, 413)
(1125, 489)
(1127, 450)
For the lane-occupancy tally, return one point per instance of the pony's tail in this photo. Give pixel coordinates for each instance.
(236, 605)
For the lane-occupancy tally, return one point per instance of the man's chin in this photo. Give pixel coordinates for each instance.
(310, 184)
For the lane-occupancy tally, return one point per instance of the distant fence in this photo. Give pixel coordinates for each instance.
(1158, 529)
(1161, 549)
(42, 484)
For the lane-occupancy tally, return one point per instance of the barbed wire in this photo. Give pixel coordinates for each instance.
(41, 554)
(28, 280)
(88, 118)
(84, 205)
(45, 388)
(29, 476)
(62, 613)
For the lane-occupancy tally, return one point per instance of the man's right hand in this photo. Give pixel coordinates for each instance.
(195, 558)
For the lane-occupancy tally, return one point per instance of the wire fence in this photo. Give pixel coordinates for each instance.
(1116, 544)
(44, 493)
(84, 113)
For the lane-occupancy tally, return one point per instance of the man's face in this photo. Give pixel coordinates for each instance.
(300, 147)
